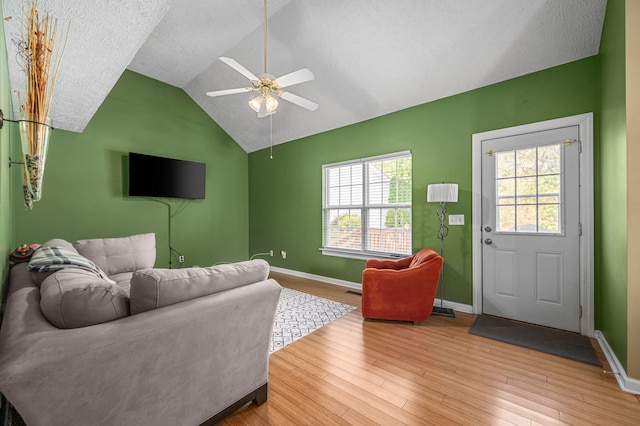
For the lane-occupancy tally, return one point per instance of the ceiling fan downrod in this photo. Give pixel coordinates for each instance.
(265, 37)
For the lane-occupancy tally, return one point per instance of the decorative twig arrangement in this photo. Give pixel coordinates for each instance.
(41, 70)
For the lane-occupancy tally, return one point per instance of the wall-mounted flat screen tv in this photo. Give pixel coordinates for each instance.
(151, 176)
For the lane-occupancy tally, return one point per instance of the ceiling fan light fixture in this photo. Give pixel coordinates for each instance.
(255, 103)
(271, 104)
(264, 105)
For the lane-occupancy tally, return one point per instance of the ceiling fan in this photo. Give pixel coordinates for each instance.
(268, 85)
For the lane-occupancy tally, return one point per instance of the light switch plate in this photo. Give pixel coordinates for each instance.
(456, 219)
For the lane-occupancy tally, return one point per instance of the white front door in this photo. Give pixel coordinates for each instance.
(531, 227)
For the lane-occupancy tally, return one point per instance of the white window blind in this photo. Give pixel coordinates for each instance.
(367, 206)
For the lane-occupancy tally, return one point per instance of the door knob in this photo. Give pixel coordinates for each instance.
(488, 241)
(487, 228)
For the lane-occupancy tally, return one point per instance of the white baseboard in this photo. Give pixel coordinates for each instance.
(625, 382)
(358, 286)
(343, 283)
(454, 305)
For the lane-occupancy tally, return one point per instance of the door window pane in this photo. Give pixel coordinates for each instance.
(549, 159)
(526, 162)
(528, 190)
(526, 186)
(505, 164)
(506, 188)
(506, 216)
(549, 218)
(549, 185)
(526, 219)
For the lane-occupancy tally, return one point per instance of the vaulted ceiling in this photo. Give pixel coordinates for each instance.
(369, 57)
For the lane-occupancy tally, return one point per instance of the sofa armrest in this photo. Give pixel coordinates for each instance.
(179, 364)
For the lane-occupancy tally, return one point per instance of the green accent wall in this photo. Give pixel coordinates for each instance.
(6, 136)
(612, 203)
(286, 191)
(255, 204)
(85, 181)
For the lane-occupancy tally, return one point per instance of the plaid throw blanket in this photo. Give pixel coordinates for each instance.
(47, 259)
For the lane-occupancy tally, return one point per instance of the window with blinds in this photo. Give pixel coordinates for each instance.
(367, 206)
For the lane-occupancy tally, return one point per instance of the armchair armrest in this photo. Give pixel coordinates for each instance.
(389, 264)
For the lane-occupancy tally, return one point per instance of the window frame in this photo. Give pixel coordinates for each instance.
(365, 207)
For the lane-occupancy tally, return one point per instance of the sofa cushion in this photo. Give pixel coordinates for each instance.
(123, 280)
(118, 255)
(154, 288)
(73, 298)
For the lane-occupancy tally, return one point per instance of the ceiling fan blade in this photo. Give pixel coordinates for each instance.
(236, 66)
(295, 77)
(304, 103)
(230, 91)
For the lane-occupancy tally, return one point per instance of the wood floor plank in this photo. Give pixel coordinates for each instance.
(323, 415)
(367, 372)
(301, 381)
(472, 406)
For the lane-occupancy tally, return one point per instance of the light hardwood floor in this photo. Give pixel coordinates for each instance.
(360, 372)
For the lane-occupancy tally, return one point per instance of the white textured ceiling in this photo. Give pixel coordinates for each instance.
(369, 57)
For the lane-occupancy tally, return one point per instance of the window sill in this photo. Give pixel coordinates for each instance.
(360, 255)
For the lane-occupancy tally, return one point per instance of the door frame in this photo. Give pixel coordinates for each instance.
(585, 125)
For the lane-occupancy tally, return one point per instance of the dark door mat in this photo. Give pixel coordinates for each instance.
(548, 340)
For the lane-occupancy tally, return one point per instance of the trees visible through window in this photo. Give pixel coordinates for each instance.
(367, 205)
(529, 190)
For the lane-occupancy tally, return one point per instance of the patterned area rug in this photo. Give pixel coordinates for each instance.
(299, 314)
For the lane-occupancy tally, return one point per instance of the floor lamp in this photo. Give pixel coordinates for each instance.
(442, 193)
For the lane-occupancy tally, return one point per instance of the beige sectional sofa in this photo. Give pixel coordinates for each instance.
(137, 346)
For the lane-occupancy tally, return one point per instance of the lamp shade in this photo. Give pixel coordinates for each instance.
(442, 192)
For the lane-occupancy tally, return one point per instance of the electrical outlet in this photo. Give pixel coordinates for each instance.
(456, 219)
(181, 259)
(271, 253)
(283, 254)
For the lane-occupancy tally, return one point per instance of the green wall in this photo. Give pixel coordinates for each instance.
(285, 192)
(612, 206)
(6, 136)
(85, 178)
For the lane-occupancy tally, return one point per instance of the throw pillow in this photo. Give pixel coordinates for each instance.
(118, 255)
(49, 258)
(73, 298)
(38, 277)
(155, 288)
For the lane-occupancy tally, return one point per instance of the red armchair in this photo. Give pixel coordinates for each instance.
(401, 289)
